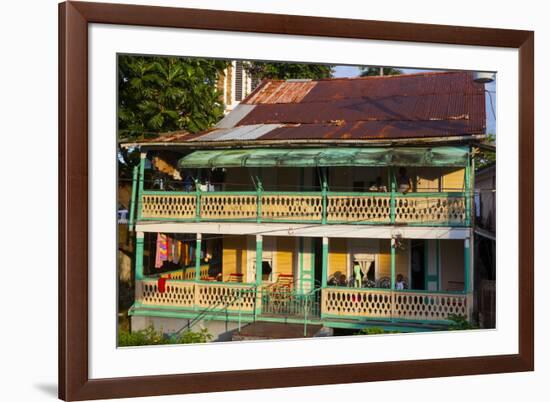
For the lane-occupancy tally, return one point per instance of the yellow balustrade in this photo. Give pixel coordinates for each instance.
(292, 207)
(340, 208)
(176, 294)
(383, 303)
(359, 209)
(219, 295)
(168, 206)
(221, 206)
(213, 295)
(428, 210)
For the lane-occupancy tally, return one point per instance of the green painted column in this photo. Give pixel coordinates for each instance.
(301, 263)
(324, 263)
(467, 265)
(393, 189)
(259, 259)
(198, 258)
(469, 193)
(324, 190)
(133, 199)
(259, 191)
(392, 262)
(141, 182)
(140, 238)
(198, 203)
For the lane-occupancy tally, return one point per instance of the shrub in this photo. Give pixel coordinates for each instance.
(459, 322)
(149, 336)
(374, 331)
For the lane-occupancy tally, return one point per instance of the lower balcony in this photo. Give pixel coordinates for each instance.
(241, 301)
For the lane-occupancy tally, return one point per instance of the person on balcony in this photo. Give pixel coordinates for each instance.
(404, 184)
(357, 274)
(377, 186)
(400, 282)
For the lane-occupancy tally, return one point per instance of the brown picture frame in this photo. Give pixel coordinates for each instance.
(74, 382)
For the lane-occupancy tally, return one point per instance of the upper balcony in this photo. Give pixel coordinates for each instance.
(416, 187)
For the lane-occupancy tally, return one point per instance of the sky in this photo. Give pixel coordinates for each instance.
(490, 95)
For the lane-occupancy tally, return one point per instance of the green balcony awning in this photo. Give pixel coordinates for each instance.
(330, 156)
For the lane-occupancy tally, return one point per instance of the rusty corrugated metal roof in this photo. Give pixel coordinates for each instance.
(424, 105)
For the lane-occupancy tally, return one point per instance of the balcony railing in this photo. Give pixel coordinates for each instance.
(385, 303)
(334, 303)
(432, 209)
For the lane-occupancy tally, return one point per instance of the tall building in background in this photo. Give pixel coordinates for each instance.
(236, 84)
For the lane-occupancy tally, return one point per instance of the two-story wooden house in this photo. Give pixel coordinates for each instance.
(344, 203)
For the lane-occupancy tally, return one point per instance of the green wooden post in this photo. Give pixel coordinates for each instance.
(259, 259)
(468, 190)
(324, 263)
(392, 262)
(139, 255)
(198, 203)
(392, 195)
(198, 258)
(133, 199)
(301, 263)
(259, 190)
(141, 181)
(467, 265)
(324, 190)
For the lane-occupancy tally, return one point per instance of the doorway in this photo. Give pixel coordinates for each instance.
(418, 264)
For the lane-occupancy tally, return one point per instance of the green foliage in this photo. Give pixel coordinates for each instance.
(459, 322)
(285, 71)
(160, 94)
(202, 336)
(373, 71)
(149, 336)
(484, 157)
(374, 331)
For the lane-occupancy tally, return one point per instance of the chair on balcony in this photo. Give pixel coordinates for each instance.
(235, 277)
(284, 282)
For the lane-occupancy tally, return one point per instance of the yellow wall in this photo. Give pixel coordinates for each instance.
(452, 264)
(452, 180)
(234, 256)
(338, 256)
(284, 260)
(427, 180)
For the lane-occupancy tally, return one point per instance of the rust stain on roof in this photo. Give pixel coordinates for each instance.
(274, 92)
(408, 106)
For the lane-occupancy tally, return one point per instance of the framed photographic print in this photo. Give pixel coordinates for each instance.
(260, 200)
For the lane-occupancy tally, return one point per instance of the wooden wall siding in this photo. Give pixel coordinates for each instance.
(337, 256)
(427, 180)
(452, 180)
(402, 259)
(452, 264)
(234, 256)
(286, 255)
(228, 86)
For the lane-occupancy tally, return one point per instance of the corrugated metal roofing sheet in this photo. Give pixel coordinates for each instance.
(395, 107)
